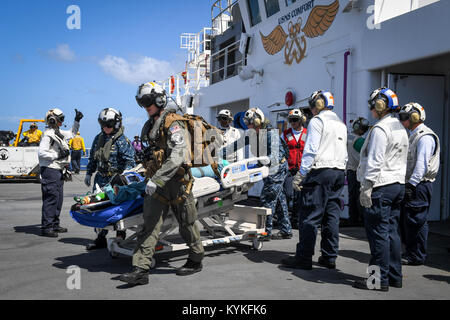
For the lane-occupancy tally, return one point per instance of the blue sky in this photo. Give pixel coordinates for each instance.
(121, 44)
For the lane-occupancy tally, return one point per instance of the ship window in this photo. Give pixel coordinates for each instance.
(272, 7)
(289, 2)
(255, 14)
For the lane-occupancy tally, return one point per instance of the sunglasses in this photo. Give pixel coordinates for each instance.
(293, 120)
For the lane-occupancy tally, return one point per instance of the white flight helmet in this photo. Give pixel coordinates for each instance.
(53, 116)
(254, 116)
(412, 111)
(110, 118)
(297, 114)
(151, 93)
(321, 99)
(225, 113)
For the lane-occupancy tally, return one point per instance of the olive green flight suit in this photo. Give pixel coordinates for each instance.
(170, 188)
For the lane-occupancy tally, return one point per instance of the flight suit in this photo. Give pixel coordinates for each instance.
(172, 185)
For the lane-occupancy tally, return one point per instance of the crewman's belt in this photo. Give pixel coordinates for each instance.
(180, 199)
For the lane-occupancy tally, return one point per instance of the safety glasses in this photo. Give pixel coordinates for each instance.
(293, 119)
(223, 118)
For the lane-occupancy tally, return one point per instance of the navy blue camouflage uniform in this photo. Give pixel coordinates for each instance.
(121, 158)
(273, 192)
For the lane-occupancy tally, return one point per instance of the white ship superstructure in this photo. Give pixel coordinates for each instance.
(273, 54)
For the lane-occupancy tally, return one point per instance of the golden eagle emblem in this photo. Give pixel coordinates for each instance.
(319, 21)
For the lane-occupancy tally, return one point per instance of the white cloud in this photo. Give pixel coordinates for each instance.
(134, 122)
(62, 53)
(140, 70)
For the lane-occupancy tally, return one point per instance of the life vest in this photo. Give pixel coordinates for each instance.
(295, 147)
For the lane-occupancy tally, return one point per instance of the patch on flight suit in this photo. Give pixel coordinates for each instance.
(177, 138)
(175, 129)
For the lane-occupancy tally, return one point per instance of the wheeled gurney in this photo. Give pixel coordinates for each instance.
(222, 219)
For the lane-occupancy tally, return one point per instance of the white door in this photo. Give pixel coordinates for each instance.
(429, 92)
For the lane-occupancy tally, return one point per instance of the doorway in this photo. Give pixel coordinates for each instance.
(429, 91)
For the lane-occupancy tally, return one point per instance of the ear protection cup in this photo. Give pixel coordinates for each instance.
(319, 104)
(52, 121)
(303, 119)
(414, 117)
(380, 105)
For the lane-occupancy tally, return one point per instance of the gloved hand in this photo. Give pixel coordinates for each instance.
(87, 180)
(78, 115)
(150, 188)
(410, 190)
(63, 154)
(365, 195)
(297, 181)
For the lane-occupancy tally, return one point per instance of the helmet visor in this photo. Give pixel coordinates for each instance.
(108, 123)
(146, 101)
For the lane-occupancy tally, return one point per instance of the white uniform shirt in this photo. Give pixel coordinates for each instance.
(296, 134)
(326, 143)
(312, 144)
(425, 149)
(231, 135)
(49, 152)
(384, 153)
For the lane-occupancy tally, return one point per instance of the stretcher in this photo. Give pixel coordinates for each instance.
(223, 221)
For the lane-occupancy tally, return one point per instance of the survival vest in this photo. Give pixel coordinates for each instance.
(204, 141)
(103, 151)
(295, 147)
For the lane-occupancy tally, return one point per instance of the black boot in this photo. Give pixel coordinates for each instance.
(99, 243)
(137, 276)
(362, 284)
(59, 229)
(49, 233)
(326, 263)
(297, 263)
(189, 267)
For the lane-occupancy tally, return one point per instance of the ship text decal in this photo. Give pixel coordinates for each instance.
(294, 43)
(296, 12)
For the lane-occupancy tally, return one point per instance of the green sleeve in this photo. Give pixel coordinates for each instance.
(176, 151)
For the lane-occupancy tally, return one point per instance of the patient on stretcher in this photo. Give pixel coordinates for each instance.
(121, 188)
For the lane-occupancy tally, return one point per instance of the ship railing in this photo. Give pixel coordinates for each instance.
(186, 82)
(224, 19)
(197, 44)
(227, 59)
